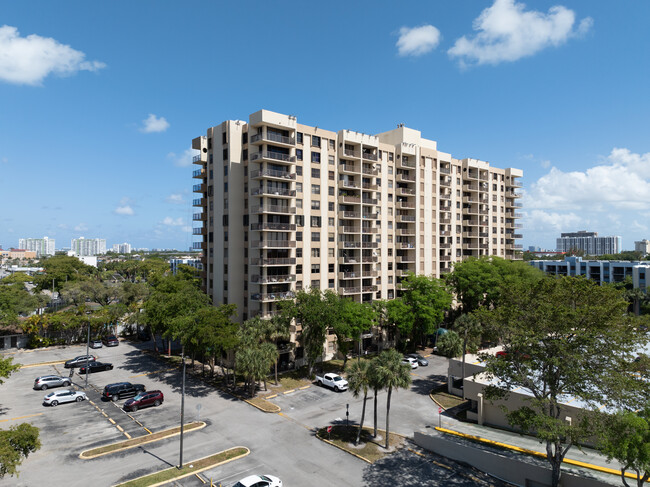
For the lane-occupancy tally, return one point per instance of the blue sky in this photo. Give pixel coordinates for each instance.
(99, 102)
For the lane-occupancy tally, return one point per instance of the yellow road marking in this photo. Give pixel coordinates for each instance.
(20, 417)
(111, 420)
(56, 362)
(271, 396)
(289, 392)
(201, 478)
(127, 435)
(304, 387)
(148, 430)
(119, 427)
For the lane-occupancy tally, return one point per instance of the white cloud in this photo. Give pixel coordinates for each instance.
(416, 41)
(187, 229)
(508, 32)
(176, 199)
(173, 222)
(154, 124)
(184, 159)
(4, 160)
(124, 210)
(81, 228)
(29, 60)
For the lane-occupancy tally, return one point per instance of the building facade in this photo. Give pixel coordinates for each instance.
(88, 246)
(598, 270)
(589, 242)
(642, 246)
(42, 246)
(123, 248)
(286, 206)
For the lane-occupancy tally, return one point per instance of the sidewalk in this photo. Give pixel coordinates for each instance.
(586, 455)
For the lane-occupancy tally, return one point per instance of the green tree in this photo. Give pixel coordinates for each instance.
(469, 328)
(564, 337)
(7, 367)
(391, 374)
(254, 356)
(15, 300)
(353, 319)
(61, 268)
(626, 438)
(16, 444)
(358, 374)
(421, 307)
(450, 344)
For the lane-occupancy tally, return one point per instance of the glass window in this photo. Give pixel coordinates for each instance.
(315, 141)
(299, 137)
(298, 170)
(315, 189)
(315, 172)
(315, 236)
(299, 154)
(299, 187)
(315, 205)
(315, 268)
(315, 157)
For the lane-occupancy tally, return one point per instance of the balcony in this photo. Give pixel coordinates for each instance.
(348, 184)
(350, 245)
(198, 159)
(273, 244)
(353, 200)
(199, 231)
(370, 216)
(349, 290)
(445, 196)
(444, 221)
(405, 258)
(406, 164)
(370, 171)
(349, 229)
(281, 192)
(200, 217)
(285, 210)
(444, 245)
(349, 260)
(370, 186)
(405, 218)
(515, 184)
(369, 245)
(272, 174)
(272, 156)
(276, 279)
(199, 245)
(276, 227)
(198, 173)
(349, 168)
(199, 188)
(406, 191)
(405, 205)
(370, 156)
(368, 259)
(199, 202)
(349, 275)
(404, 245)
(351, 153)
(370, 273)
(266, 297)
(369, 289)
(272, 137)
(369, 201)
(405, 231)
(405, 178)
(444, 258)
(445, 181)
(349, 214)
(274, 261)
(445, 170)
(369, 230)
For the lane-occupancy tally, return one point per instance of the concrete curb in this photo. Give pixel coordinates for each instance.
(350, 451)
(135, 445)
(248, 452)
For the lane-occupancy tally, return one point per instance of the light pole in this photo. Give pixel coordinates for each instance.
(180, 466)
(87, 353)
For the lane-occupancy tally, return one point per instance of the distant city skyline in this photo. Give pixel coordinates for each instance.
(94, 141)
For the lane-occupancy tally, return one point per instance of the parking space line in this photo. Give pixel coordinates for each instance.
(42, 364)
(304, 387)
(147, 430)
(111, 420)
(20, 417)
(289, 392)
(201, 478)
(127, 435)
(119, 428)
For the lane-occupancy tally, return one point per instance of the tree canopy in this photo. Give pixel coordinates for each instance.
(16, 444)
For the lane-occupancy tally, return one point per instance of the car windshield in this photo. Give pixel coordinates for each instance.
(50, 394)
(139, 396)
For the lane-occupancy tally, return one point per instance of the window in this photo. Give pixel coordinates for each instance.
(315, 189)
(298, 236)
(298, 170)
(299, 203)
(315, 157)
(315, 173)
(300, 220)
(390, 157)
(315, 205)
(315, 284)
(315, 236)
(225, 154)
(299, 154)
(331, 144)
(330, 268)
(330, 206)
(330, 284)
(299, 269)
(211, 174)
(330, 160)
(330, 237)
(315, 221)
(298, 254)
(315, 141)
(315, 252)
(315, 268)
(299, 137)
(225, 170)
(330, 222)
(330, 252)
(330, 175)
(299, 187)
(330, 191)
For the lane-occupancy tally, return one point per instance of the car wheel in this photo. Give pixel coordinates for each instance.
(80, 398)
(114, 397)
(54, 403)
(156, 403)
(336, 388)
(66, 384)
(134, 409)
(44, 387)
(110, 368)
(320, 383)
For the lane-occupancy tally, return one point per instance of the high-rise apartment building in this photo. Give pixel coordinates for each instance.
(287, 206)
(123, 248)
(88, 246)
(588, 242)
(42, 246)
(642, 246)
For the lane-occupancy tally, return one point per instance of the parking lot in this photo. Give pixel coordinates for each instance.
(281, 444)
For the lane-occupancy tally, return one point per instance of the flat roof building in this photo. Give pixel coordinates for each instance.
(589, 243)
(285, 206)
(42, 246)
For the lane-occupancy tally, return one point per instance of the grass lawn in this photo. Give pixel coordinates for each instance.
(133, 442)
(196, 466)
(447, 400)
(369, 448)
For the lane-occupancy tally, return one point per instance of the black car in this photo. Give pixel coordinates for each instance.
(79, 361)
(119, 390)
(95, 367)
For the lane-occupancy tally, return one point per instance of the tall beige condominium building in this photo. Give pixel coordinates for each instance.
(287, 206)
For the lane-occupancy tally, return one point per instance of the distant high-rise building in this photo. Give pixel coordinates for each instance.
(42, 246)
(123, 248)
(88, 246)
(642, 246)
(589, 242)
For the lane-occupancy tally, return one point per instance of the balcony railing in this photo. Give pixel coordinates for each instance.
(276, 156)
(198, 173)
(349, 275)
(278, 227)
(370, 171)
(369, 245)
(347, 229)
(410, 164)
(445, 170)
(272, 173)
(350, 199)
(349, 168)
(274, 192)
(407, 191)
(370, 216)
(273, 296)
(274, 261)
(351, 245)
(270, 136)
(348, 184)
(349, 290)
(287, 210)
(276, 279)
(405, 218)
(258, 244)
(369, 201)
(405, 204)
(369, 289)
(198, 202)
(351, 153)
(197, 159)
(405, 177)
(198, 188)
(199, 217)
(349, 214)
(367, 259)
(370, 156)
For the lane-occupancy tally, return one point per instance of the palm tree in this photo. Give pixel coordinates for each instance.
(359, 380)
(469, 328)
(376, 386)
(392, 374)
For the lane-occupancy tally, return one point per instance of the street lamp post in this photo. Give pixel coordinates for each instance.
(87, 353)
(182, 405)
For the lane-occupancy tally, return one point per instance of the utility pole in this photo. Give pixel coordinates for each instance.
(180, 466)
(87, 353)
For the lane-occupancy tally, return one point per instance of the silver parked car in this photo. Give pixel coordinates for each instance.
(46, 381)
(59, 397)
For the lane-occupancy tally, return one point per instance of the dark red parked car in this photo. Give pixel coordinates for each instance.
(144, 399)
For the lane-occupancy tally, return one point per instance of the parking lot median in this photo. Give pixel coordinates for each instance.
(141, 440)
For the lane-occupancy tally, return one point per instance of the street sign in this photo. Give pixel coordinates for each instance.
(329, 429)
(439, 410)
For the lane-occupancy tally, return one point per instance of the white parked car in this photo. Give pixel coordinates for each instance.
(332, 380)
(411, 361)
(259, 481)
(58, 397)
